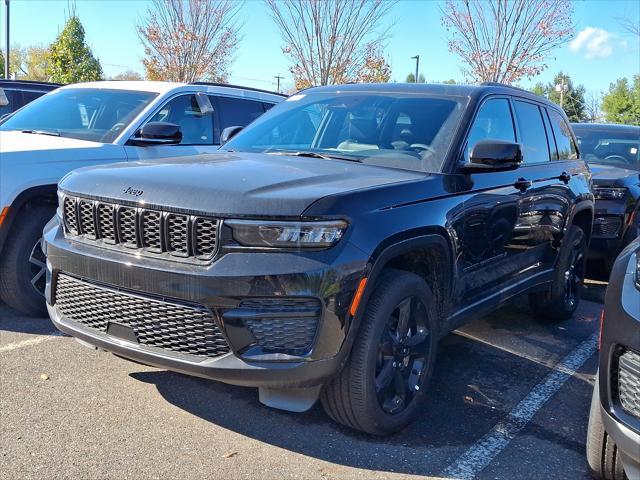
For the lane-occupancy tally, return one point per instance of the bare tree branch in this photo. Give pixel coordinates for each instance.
(185, 41)
(506, 40)
(333, 41)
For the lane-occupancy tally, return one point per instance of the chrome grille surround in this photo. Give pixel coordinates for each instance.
(158, 323)
(146, 231)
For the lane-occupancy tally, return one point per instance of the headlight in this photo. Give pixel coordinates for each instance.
(609, 193)
(256, 233)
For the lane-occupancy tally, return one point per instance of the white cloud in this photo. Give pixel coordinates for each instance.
(593, 42)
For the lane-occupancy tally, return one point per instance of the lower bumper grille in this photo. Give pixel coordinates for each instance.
(628, 382)
(187, 329)
(606, 226)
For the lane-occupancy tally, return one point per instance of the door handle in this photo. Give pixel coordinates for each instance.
(522, 184)
(565, 177)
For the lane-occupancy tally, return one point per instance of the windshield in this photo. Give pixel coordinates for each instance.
(406, 131)
(96, 115)
(619, 147)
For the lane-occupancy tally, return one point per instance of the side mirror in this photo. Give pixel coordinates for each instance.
(493, 155)
(228, 133)
(158, 133)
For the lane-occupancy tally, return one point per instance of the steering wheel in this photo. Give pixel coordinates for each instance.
(423, 147)
(617, 158)
(117, 127)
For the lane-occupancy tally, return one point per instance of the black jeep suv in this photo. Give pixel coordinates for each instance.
(330, 245)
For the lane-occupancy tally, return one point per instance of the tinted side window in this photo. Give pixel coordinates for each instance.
(12, 102)
(238, 111)
(532, 133)
(197, 128)
(28, 96)
(493, 121)
(566, 147)
(267, 106)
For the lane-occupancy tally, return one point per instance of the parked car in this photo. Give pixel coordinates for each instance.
(613, 153)
(89, 124)
(613, 440)
(330, 245)
(20, 92)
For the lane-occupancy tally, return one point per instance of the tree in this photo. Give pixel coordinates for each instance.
(375, 68)
(411, 78)
(36, 63)
(331, 41)
(622, 103)
(71, 59)
(572, 99)
(630, 25)
(506, 40)
(127, 75)
(189, 41)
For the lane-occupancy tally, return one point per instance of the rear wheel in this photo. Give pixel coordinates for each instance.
(380, 389)
(560, 300)
(602, 453)
(23, 264)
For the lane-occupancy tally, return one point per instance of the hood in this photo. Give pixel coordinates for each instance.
(609, 174)
(29, 148)
(231, 184)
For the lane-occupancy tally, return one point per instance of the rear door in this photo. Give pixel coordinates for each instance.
(546, 195)
(237, 112)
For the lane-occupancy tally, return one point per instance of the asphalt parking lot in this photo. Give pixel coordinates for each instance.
(509, 400)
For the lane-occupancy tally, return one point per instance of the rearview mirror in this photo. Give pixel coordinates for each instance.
(228, 133)
(493, 155)
(158, 133)
(4, 101)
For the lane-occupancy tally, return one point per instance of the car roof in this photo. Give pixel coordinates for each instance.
(603, 127)
(166, 87)
(27, 85)
(477, 91)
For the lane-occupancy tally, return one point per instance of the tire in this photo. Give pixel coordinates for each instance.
(602, 453)
(22, 261)
(364, 395)
(560, 300)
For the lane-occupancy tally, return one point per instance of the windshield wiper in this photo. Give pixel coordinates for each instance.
(309, 154)
(42, 132)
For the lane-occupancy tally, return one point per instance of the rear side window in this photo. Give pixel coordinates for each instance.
(532, 133)
(493, 122)
(28, 96)
(566, 148)
(238, 111)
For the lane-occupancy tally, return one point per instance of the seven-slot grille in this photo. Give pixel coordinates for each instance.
(186, 237)
(188, 329)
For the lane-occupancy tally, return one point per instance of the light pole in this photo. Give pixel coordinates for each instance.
(6, 57)
(417, 59)
(278, 78)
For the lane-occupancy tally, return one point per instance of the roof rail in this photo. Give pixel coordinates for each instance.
(214, 84)
(498, 84)
(29, 82)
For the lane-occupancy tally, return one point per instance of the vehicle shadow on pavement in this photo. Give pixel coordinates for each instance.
(475, 385)
(12, 321)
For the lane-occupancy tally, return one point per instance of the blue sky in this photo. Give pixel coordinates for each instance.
(600, 53)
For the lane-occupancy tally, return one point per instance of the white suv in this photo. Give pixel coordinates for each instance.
(94, 123)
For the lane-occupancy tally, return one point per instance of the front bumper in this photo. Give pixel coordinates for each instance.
(331, 276)
(627, 441)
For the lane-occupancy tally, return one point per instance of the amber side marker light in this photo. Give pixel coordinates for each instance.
(600, 334)
(357, 297)
(3, 214)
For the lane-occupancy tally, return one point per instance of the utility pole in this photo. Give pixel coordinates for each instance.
(561, 87)
(6, 56)
(278, 78)
(417, 59)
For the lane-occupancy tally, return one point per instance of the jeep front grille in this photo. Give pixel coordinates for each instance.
(188, 329)
(155, 232)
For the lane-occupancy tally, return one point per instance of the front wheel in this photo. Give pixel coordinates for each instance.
(381, 388)
(560, 300)
(23, 264)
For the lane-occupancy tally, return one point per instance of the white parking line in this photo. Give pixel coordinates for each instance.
(32, 341)
(482, 453)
